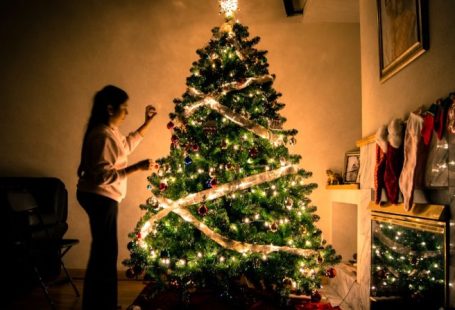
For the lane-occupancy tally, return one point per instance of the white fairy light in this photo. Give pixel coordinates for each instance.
(179, 208)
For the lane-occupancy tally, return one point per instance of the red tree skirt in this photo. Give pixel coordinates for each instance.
(150, 299)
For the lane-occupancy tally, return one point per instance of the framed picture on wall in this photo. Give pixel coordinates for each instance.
(402, 32)
(351, 166)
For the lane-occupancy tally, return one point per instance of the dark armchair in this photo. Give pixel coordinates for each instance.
(34, 213)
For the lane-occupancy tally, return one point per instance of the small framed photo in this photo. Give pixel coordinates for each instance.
(351, 166)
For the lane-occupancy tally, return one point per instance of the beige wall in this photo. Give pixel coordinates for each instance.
(428, 78)
(54, 56)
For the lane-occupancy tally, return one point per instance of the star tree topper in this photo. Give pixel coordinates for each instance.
(228, 8)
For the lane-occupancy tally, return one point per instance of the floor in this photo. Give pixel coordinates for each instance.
(65, 298)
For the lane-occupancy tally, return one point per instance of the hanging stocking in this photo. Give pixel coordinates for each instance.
(379, 169)
(412, 159)
(394, 160)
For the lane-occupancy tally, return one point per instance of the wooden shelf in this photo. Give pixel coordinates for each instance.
(343, 186)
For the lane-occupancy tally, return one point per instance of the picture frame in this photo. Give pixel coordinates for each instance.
(402, 33)
(351, 166)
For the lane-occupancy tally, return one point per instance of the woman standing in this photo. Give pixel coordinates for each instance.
(102, 173)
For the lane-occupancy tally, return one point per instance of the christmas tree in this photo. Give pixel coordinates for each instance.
(230, 201)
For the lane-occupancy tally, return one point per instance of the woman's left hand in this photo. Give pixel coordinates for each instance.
(150, 113)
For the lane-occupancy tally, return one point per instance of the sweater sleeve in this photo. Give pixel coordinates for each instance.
(104, 154)
(132, 141)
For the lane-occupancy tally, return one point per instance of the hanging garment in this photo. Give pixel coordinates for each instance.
(428, 127)
(394, 160)
(451, 115)
(414, 160)
(440, 119)
(436, 171)
(379, 169)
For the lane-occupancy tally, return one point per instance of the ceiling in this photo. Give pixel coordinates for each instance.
(331, 11)
(315, 11)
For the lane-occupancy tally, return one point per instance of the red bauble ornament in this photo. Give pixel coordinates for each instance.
(195, 147)
(163, 186)
(202, 210)
(331, 272)
(315, 296)
(174, 139)
(138, 235)
(174, 283)
(381, 274)
(213, 182)
(274, 227)
(170, 125)
(240, 82)
(253, 152)
(130, 273)
(276, 124)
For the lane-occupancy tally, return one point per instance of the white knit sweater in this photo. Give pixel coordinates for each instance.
(106, 157)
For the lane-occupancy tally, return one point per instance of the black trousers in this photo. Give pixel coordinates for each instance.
(100, 283)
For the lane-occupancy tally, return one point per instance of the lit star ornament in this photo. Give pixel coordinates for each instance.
(228, 8)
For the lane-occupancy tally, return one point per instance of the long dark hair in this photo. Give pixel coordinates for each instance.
(108, 96)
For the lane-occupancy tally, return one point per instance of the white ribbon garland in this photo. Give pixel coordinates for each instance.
(241, 247)
(275, 139)
(213, 103)
(178, 206)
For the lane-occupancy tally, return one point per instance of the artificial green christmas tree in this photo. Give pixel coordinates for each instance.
(230, 201)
